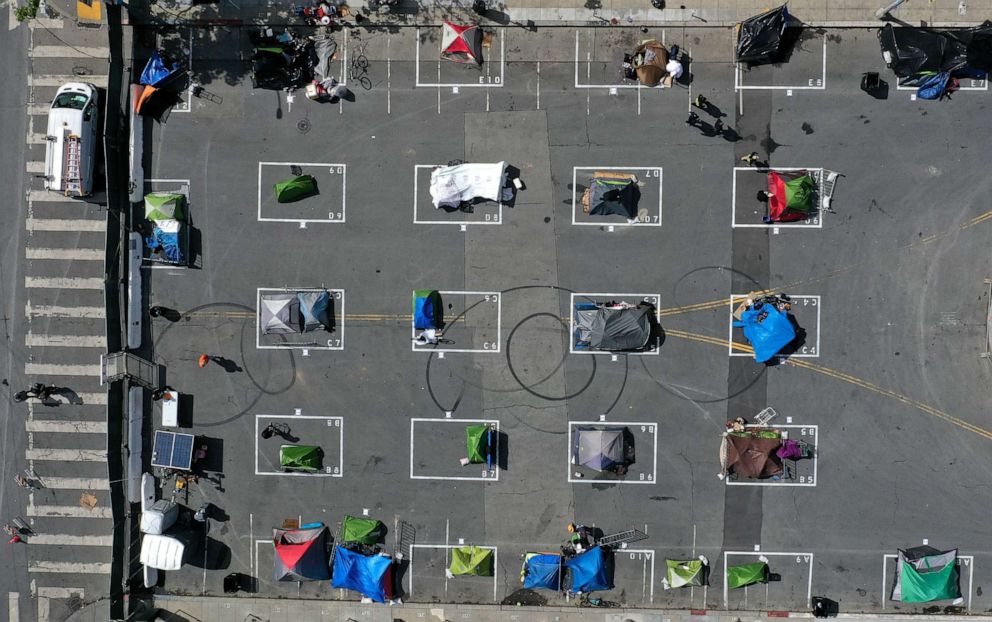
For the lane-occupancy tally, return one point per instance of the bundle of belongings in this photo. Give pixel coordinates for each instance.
(934, 61)
(458, 185)
(612, 193)
(757, 453)
(163, 84)
(325, 87)
(281, 62)
(652, 64)
(766, 323)
(612, 326)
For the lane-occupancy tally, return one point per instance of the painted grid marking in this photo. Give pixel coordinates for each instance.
(333, 343)
(815, 84)
(494, 549)
(976, 85)
(495, 81)
(654, 299)
(814, 431)
(651, 428)
(438, 348)
(968, 560)
(633, 553)
(340, 170)
(658, 174)
(337, 471)
(611, 87)
(807, 557)
(804, 352)
(487, 475)
(815, 222)
(491, 219)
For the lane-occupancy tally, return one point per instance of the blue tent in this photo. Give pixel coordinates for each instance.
(588, 570)
(156, 71)
(542, 571)
(427, 311)
(367, 574)
(767, 335)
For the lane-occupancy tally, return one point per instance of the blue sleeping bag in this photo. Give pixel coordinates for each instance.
(768, 334)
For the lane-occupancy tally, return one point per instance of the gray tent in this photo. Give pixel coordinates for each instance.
(599, 447)
(612, 328)
(280, 314)
(317, 309)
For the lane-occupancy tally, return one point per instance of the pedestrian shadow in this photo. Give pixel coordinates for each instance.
(229, 365)
(71, 396)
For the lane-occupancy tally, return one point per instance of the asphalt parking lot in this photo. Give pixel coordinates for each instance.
(888, 286)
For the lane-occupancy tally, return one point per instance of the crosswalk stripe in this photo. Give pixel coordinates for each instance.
(75, 483)
(50, 196)
(66, 455)
(66, 254)
(36, 139)
(99, 80)
(64, 51)
(39, 109)
(69, 427)
(65, 341)
(97, 313)
(35, 167)
(69, 567)
(69, 511)
(62, 539)
(66, 224)
(55, 369)
(93, 399)
(61, 592)
(13, 606)
(42, 282)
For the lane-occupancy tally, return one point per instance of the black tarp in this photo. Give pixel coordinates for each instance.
(614, 197)
(760, 37)
(279, 64)
(979, 54)
(910, 51)
(614, 329)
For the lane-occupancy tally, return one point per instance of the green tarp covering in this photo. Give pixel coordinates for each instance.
(471, 560)
(299, 458)
(476, 442)
(680, 573)
(362, 530)
(296, 189)
(924, 574)
(164, 206)
(799, 193)
(747, 574)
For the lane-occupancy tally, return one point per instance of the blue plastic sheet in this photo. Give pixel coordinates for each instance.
(365, 574)
(589, 572)
(766, 335)
(169, 243)
(542, 572)
(156, 71)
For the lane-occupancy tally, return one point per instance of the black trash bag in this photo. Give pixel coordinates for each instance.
(760, 38)
(979, 52)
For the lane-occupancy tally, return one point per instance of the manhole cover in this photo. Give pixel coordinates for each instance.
(303, 125)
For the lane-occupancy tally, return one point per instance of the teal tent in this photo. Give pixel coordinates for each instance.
(924, 574)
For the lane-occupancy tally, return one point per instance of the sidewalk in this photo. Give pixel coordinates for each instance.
(815, 13)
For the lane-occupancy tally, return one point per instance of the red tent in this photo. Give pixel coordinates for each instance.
(462, 44)
(790, 196)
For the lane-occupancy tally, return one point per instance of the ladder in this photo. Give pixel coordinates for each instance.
(71, 164)
(621, 539)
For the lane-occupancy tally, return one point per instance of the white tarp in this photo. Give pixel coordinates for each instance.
(162, 552)
(452, 185)
(159, 517)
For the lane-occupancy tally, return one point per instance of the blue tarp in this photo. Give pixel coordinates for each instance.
(366, 574)
(768, 335)
(170, 243)
(155, 71)
(542, 572)
(427, 311)
(932, 87)
(588, 570)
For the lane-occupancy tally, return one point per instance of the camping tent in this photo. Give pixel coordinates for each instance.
(164, 206)
(461, 44)
(451, 186)
(759, 38)
(612, 328)
(317, 309)
(427, 309)
(924, 574)
(362, 530)
(542, 571)
(747, 574)
(650, 59)
(471, 560)
(162, 86)
(767, 329)
(280, 314)
(156, 71)
(614, 194)
(589, 571)
(791, 196)
(300, 554)
(477, 443)
(370, 575)
(751, 454)
(679, 573)
(159, 517)
(296, 189)
(305, 458)
(599, 447)
(281, 62)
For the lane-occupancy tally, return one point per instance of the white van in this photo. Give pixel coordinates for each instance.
(71, 148)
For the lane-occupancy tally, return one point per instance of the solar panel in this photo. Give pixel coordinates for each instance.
(172, 450)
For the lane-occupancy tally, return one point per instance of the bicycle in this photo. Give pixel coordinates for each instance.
(586, 601)
(439, 340)
(360, 69)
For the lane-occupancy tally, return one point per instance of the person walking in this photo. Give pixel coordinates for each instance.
(693, 119)
(159, 393)
(24, 482)
(204, 359)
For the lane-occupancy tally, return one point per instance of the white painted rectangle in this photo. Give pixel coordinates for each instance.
(55, 539)
(69, 567)
(65, 51)
(337, 214)
(484, 81)
(97, 80)
(648, 427)
(818, 83)
(65, 254)
(806, 351)
(63, 311)
(69, 511)
(413, 557)
(332, 341)
(490, 219)
(652, 349)
(75, 483)
(329, 471)
(66, 224)
(800, 557)
(814, 222)
(647, 220)
(490, 347)
(486, 475)
(968, 561)
(804, 430)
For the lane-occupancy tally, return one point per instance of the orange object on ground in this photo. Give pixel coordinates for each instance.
(203, 360)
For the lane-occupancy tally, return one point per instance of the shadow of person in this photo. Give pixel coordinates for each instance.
(71, 396)
(171, 314)
(287, 436)
(228, 365)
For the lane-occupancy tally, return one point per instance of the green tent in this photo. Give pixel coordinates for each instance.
(747, 574)
(471, 560)
(362, 530)
(924, 574)
(680, 573)
(300, 458)
(477, 443)
(296, 189)
(164, 206)
(799, 193)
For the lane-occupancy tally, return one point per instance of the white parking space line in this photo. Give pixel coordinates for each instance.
(97, 80)
(13, 598)
(655, 299)
(41, 282)
(64, 51)
(69, 511)
(54, 539)
(65, 341)
(69, 567)
(66, 455)
(448, 547)
(968, 561)
(65, 224)
(50, 196)
(489, 81)
(487, 476)
(67, 427)
(54, 369)
(75, 483)
(814, 84)
(31, 310)
(648, 220)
